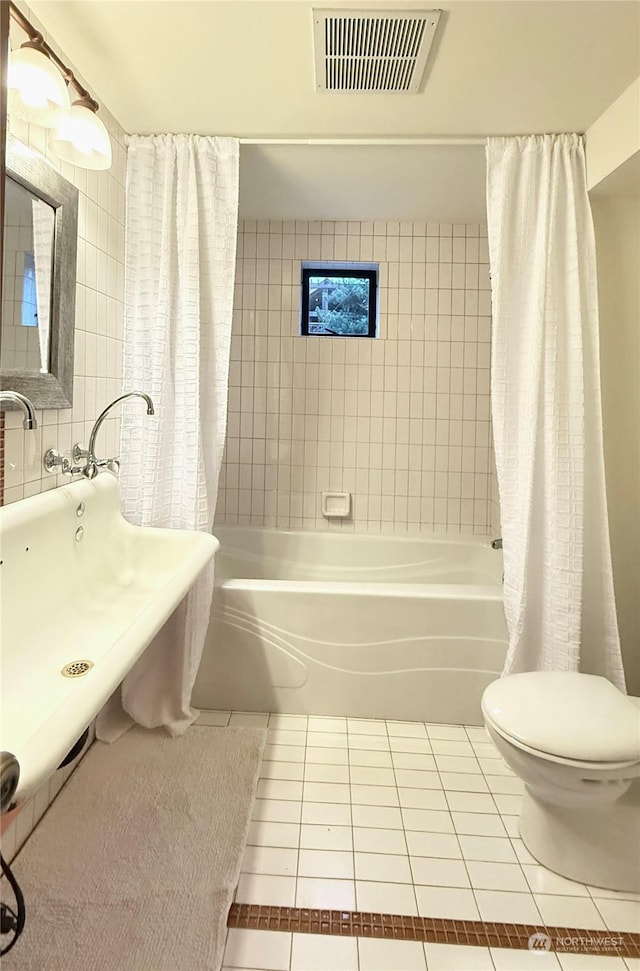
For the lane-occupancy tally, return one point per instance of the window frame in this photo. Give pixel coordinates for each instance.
(339, 271)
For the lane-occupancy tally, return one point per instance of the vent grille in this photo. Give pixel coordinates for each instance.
(358, 51)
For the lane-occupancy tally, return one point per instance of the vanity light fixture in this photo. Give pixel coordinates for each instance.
(39, 84)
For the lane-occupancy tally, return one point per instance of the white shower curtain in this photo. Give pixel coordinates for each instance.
(558, 586)
(181, 229)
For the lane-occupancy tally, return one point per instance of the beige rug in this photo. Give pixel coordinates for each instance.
(134, 866)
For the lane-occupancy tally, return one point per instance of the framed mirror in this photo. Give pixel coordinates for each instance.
(38, 279)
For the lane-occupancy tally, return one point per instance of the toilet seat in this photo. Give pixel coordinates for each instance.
(565, 717)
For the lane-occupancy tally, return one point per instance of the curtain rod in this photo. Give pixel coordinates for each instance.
(475, 140)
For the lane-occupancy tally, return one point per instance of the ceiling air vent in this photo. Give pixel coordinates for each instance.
(372, 50)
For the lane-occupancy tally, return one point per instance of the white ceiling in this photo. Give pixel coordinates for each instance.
(246, 68)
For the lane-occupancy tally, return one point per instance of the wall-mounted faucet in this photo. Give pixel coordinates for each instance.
(23, 402)
(94, 464)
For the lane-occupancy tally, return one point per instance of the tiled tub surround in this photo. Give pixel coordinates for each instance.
(19, 344)
(407, 627)
(401, 421)
(406, 819)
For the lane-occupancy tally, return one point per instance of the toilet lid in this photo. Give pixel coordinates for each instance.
(566, 714)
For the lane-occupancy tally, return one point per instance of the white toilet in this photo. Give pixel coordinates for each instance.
(574, 740)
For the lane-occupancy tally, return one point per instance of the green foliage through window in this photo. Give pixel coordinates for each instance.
(338, 302)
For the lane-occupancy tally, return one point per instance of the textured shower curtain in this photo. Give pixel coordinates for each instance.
(181, 229)
(547, 423)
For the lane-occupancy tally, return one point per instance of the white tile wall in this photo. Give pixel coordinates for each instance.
(99, 317)
(20, 345)
(402, 422)
(98, 354)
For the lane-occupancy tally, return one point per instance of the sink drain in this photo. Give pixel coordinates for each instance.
(75, 669)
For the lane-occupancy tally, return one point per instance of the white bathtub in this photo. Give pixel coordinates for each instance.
(367, 626)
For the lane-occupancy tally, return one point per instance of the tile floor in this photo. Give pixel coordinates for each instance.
(406, 818)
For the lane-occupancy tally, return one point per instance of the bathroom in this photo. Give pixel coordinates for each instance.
(398, 181)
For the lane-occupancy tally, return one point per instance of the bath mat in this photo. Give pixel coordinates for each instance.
(135, 865)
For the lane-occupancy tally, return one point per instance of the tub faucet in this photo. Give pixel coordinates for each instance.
(496, 544)
(93, 465)
(20, 399)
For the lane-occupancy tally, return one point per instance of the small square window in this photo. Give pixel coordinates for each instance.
(339, 300)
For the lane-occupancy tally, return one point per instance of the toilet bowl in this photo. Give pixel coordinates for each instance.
(574, 741)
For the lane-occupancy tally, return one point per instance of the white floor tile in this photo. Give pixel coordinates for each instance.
(478, 824)
(382, 867)
(263, 833)
(267, 950)
(326, 792)
(454, 733)
(366, 726)
(508, 805)
(336, 864)
(290, 722)
(619, 915)
(368, 775)
(486, 750)
(374, 795)
(497, 876)
(375, 757)
(282, 770)
(439, 845)
(418, 746)
(369, 742)
(261, 888)
(493, 849)
(283, 753)
(417, 779)
(507, 785)
(477, 734)
(314, 837)
(512, 826)
(471, 802)
(506, 959)
(327, 739)
(407, 729)
(456, 763)
(381, 955)
(541, 880)
(277, 810)
(328, 756)
(501, 905)
(432, 872)
(452, 957)
(447, 902)
(427, 820)
(493, 767)
(286, 736)
(319, 723)
(414, 760)
(590, 962)
(570, 912)
(326, 813)
(276, 860)
(464, 781)
(279, 789)
(523, 853)
(633, 964)
(323, 772)
(219, 719)
(613, 894)
(329, 894)
(443, 746)
(379, 840)
(248, 719)
(384, 817)
(423, 799)
(312, 952)
(386, 898)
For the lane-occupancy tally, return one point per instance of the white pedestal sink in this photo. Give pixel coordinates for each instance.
(78, 583)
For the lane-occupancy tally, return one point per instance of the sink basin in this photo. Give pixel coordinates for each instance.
(79, 586)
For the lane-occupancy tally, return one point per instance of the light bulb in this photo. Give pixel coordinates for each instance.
(81, 138)
(37, 92)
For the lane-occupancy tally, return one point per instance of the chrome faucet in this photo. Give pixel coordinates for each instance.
(94, 464)
(23, 402)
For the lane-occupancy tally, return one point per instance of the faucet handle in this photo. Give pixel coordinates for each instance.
(79, 453)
